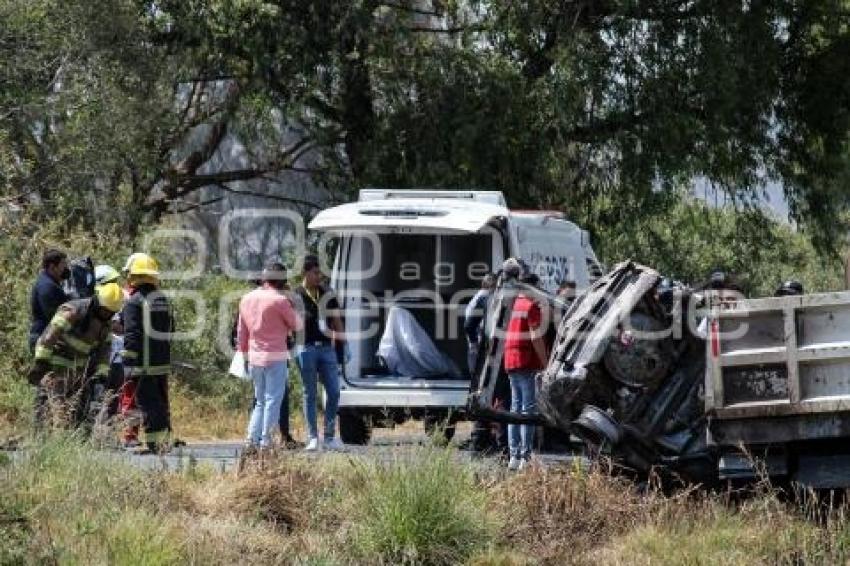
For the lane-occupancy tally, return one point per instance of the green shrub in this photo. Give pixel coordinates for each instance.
(419, 508)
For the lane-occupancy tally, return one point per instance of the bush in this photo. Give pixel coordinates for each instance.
(421, 508)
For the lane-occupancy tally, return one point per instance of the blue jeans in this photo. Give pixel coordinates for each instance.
(521, 437)
(284, 411)
(269, 386)
(315, 361)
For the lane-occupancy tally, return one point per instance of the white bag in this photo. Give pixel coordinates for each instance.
(237, 367)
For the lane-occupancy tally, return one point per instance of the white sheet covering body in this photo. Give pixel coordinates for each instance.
(409, 351)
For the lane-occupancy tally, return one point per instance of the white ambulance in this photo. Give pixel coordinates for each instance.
(419, 256)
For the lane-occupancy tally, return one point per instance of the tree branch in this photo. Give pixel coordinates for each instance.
(192, 206)
(181, 182)
(448, 30)
(192, 116)
(330, 111)
(411, 9)
(292, 200)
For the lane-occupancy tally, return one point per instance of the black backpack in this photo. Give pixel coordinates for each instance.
(80, 285)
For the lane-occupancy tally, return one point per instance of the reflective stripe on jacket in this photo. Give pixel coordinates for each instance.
(75, 336)
(148, 324)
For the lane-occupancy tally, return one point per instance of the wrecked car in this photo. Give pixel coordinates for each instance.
(704, 391)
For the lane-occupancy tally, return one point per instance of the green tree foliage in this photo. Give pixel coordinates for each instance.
(556, 102)
(687, 239)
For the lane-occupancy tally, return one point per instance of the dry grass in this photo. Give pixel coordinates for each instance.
(566, 516)
(64, 503)
(556, 514)
(272, 511)
(197, 417)
(706, 530)
(206, 418)
(277, 496)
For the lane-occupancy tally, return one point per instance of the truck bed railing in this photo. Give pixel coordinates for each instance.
(779, 356)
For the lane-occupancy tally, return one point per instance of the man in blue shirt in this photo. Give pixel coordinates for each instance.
(47, 293)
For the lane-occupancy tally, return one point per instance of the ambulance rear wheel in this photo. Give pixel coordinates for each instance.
(354, 427)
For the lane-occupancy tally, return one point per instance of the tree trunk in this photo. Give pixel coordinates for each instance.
(358, 115)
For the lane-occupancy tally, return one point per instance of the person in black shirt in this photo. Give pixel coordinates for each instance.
(45, 299)
(47, 293)
(317, 357)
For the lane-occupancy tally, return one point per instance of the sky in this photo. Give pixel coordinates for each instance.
(773, 200)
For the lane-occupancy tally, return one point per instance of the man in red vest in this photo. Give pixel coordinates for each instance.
(525, 355)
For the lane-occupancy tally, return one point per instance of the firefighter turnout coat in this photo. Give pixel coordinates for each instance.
(148, 325)
(76, 339)
(75, 345)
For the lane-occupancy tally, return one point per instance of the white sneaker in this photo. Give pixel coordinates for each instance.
(334, 444)
(514, 463)
(523, 464)
(312, 445)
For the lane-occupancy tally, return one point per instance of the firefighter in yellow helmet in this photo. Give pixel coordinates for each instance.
(148, 325)
(73, 349)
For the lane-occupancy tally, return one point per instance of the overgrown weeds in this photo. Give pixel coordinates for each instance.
(419, 508)
(75, 505)
(551, 510)
(61, 501)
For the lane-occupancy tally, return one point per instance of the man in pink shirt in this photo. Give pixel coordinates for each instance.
(266, 318)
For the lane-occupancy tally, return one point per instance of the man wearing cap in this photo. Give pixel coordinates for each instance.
(266, 318)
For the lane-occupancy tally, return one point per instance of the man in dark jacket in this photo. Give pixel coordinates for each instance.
(45, 298)
(47, 293)
(319, 309)
(148, 325)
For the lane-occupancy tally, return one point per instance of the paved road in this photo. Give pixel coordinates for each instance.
(223, 456)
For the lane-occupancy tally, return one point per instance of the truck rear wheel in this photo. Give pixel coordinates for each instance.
(354, 427)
